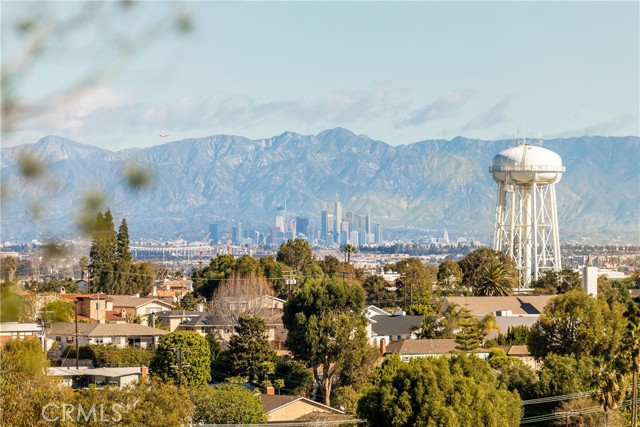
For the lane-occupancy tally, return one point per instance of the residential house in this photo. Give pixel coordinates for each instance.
(134, 307)
(281, 408)
(522, 353)
(224, 328)
(392, 328)
(94, 307)
(173, 318)
(521, 305)
(372, 310)
(410, 349)
(118, 334)
(10, 331)
(174, 289)
(505, 322)
(85, 376)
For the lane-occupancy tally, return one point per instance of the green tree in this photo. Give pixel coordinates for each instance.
(325, 320)
(375, 288)
(514, 374)
(551, 281)
(456, 392)
(142, 277)
(25, 389)
(560, 375)
(416, 283)
(83, 264)
(190, 302)
(59, 311)
(249, 348)
(516, 335)
(494, 281)
(9, 266)
(474, 264)
(103, 254)
(189, 348)
(298, 380)
(469, 336)
(298, 255)
(449, 277)
(226, 404)
(576, 323)
(123, 260)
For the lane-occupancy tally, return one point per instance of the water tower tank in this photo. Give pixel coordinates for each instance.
(526, 164)
(526, 213)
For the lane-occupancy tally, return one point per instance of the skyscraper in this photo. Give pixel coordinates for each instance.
(324, 226)
(213, 233)
(337, 220)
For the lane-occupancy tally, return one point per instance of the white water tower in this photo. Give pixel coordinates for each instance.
(526, 213)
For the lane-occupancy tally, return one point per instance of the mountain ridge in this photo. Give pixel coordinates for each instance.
(430, 184)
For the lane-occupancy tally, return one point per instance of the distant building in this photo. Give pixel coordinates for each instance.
(302, 224)
(213, 233)
(377, 234)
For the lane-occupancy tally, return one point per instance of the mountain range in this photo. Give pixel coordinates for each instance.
(430, 185)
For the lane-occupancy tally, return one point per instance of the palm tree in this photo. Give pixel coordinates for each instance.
(494, 281)
(348, 249)
(633, 346)
(610, 392)
(450, 319)
(487, 324)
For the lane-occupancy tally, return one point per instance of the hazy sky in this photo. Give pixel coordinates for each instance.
(397, 72)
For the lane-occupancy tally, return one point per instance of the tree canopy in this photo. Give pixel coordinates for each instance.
(226, 404)
(249, 348)
(456, 392)
(325, 322)
(577, 323)
(475, 264)
(196, 358)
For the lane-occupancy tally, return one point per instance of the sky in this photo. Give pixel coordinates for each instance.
(120, 76)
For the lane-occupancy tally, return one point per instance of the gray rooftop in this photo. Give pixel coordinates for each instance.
(395, 325)
(105, 330)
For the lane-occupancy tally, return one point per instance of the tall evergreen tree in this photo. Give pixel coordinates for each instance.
(103, 254)
(469, 336)
(249, 347)
(123, 260)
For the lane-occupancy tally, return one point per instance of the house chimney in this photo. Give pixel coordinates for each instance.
(269, 390)
(200, 307)
(155, 292)
(383, 346)
(143, 371)
(62, 290)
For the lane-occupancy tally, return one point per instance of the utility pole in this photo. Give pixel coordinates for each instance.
(180, 366)
(76, 321)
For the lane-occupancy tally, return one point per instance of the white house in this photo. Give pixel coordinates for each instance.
(118, 334)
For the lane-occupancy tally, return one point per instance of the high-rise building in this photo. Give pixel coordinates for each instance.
(367, 227)
(213, 233)
(324, 225)
(337, 220)
(377, 234)
(236, 233)
(301, 226)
